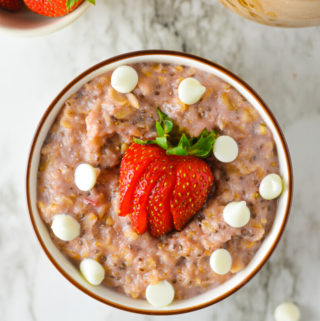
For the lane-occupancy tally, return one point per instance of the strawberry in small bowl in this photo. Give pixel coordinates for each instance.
(35, 18)
(53, 8)
(158, 182)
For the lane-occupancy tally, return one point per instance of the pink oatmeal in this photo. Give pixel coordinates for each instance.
(97, 124)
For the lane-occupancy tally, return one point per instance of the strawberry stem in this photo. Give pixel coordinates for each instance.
(71, 3)
(200, 146)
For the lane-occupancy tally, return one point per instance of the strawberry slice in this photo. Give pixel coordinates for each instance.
(144, 186)
(160, 186)
(133, 164)
(159, 214)
(194, 180)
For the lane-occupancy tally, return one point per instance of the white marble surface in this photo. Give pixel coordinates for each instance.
(283, 65)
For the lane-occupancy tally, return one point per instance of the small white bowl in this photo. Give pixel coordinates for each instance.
(25, 23)
(114, 298)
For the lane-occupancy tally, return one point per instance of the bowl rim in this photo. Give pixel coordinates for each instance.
(57, 24)
(210, 64)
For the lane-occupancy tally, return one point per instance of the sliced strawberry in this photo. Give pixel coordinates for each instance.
(161, 191)
(159, 214)
(194, 180)
(144, 186)
(133, 164)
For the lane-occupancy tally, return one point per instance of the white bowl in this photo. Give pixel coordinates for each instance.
(109, 296)
(25, 23)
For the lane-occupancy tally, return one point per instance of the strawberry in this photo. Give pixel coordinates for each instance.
(194, 180)
(162, 187)
(133, 164)
(11, 5)
(143, 188)
(159, 214)
(53, 8)
(90, 202)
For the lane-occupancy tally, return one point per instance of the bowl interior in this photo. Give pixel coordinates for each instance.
(109, 296)
(27, 23)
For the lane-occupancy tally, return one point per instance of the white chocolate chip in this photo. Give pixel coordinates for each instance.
(160, 294)
(190, 91)
(124, 79)
(65, 227)
(220, 261)
(92, 271)
(85, 177)
(236, 214)
(287, 311)
(225, 149)
(270, 187)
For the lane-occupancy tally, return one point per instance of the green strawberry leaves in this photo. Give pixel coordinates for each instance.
(165, 123)
(200, 146)
(163, 127)
(203, 144)
(71, 3)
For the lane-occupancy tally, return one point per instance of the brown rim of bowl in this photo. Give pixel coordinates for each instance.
(211, 64)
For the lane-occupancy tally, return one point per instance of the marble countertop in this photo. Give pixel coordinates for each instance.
(283, 65)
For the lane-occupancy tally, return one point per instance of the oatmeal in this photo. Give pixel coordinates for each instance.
(97, 125)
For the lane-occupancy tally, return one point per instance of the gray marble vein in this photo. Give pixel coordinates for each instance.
(283, 65)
